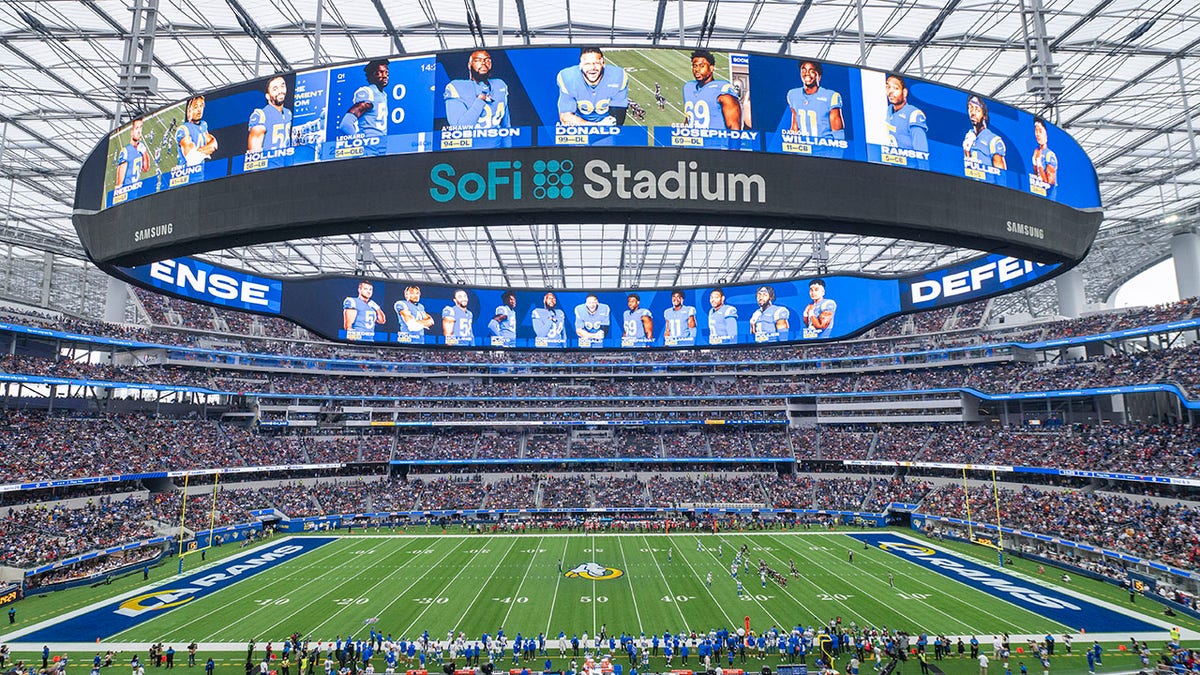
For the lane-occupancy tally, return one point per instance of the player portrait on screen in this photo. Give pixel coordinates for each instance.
(679, 321)
(457, 320)
(769, 320)
(818, 315)
(270, 126)
(907, 128)
(722, 319)
(549, 323)
(709, 103)
(981, 145)
(360, 313)
(133, 160)
(503, 325)
(1044, 180)
(637, 322)
(414, 320)
(814, 111)
(195, 143)
(592, 92)
(592, 321)
(479, 100)
(367, 116)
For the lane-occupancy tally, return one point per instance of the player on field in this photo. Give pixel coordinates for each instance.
(270, 126)
(769, 319)
(592, 92)
(504, 321)
(412, 314)
(680, 321)
(906, 125)
(818, 318)
(592, 319)
(360, 313)
(457, 319)
(549, 321)
(814, 110)
(480, 100)
(134, 159)
(637, 322)
(195, 143)
(981, 145)
(710, 103)
(722, 319)
(368, 112)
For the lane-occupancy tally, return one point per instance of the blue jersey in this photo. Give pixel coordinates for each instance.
(131, 157)
(812, 312)
(811, 112)
(464, 108)
(701, 103)
(907, 128)
(983, 146)
(277, 123)
(417, 310)
(462, 320)
(592, 103)
(364, 318)
(197, 133)
(507, 328)
(373, 123)
(592, 322)
(722, 324)
(765, 319)
(633, 321)
(677, 322)
(549, 323)
(1043, 162)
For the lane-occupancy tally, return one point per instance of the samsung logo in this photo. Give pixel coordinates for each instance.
(147, 233)
(181, 275)
(1027, 230)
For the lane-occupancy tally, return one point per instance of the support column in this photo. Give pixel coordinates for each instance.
(47, 277)
(115, 299)
(1070, 293)
(1185, 249)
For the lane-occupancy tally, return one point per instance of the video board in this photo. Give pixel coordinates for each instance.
(558, 97)
(384, 311)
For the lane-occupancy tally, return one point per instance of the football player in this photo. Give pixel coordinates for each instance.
(815, 110)
(480, 100)
(592, 92)
(195, 143)
(134, 159)
(981, 145)
(271, 125)
(818, 317)
(710, 103)
(360, 313)
(906, 125)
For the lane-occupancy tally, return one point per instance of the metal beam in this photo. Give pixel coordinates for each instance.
(522, 20)
(656, 35)
(388, 27)
(253, 30)
(930, 31)
(795, 27)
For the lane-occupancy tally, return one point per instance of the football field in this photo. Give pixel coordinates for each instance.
(404, 585)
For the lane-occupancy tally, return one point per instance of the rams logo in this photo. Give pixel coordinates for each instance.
(158, 600)
(907, 549)
(593, 571)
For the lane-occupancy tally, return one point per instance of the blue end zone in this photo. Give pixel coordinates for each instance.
(120, 616)
(1067, 610)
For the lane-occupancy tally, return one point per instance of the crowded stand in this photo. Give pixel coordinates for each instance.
(39, 534)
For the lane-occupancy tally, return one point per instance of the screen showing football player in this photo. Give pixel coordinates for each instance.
(504, 320)
(457, 319)
(412, 314)
(907, 128)
(549, 322)
(1045, 162)
(769, 320)
(133, 160)
(592, 319)
(479, 100)
(981, 145)
(679, 319)
(368, 112)
(709, 103)
(271, 125)
(818, 315)
(360, 313)
(195, 143)
(722, 319)
(592, 92)
(637, 322)
(815, 111)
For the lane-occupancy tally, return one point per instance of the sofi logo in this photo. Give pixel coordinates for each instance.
(551, 179)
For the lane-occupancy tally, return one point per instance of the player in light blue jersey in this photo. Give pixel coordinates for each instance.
(414, 320)
(906, 125)
(815, 111)
(1045, 162)
(769, 320)
(480, 100)
(818, 315)
(457, 319)
(134, 159)
(503, 325)
(368, 112)
(680, 320)
(195, 143)
(592, 93)
(710, 103)
(360, 313)
(271, 125)
(592, 319)
(550, 322)
(981, 145)
(637, 322)
(722, 319)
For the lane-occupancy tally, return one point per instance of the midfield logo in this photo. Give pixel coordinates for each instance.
(593, 571)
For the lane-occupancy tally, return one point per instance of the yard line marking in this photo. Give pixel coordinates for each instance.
(519, 586)
(813, 614)
(707, 588)
(629, 579)
(668, 584)
(557, 581)
(447, 586)
(750, 594)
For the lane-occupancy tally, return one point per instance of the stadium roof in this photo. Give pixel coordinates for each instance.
(1130, 94)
